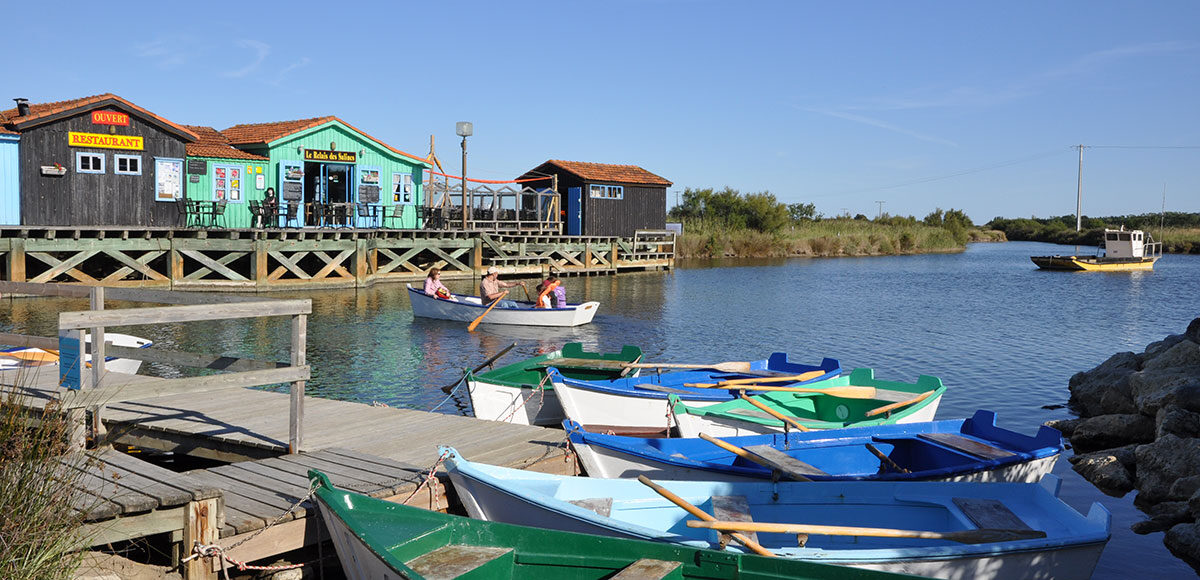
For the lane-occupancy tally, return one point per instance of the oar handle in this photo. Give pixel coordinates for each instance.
(450, 387)
(774, 413)
(785, 379)
(983, 535)
(894, 406)
(887, 460)
(695, 511)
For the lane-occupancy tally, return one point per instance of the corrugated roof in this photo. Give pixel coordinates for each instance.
(266, 133)
(212, 143)
(609, 172)
(12, 121)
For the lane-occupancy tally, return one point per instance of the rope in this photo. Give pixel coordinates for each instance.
(539, 390)
(214, 551)
(452, 392)
(488, 180)
(430, 477)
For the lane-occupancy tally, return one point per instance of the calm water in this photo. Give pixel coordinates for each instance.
(1001, 334)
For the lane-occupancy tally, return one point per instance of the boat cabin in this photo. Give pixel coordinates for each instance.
(1124, 245)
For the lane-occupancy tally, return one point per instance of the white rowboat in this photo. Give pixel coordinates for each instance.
(468, 308)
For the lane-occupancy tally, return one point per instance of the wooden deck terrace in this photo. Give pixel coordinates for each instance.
(380, 451)
(257, 260)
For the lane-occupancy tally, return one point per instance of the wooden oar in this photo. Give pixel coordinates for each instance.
(734, 449)
(894, 406)
(977, 536)
(850, 392)
(450, 387)
(474, 323)
(774, 413)
(33, 356)
(755, 380)
(725, 367)
(886, 460)
(695, 511)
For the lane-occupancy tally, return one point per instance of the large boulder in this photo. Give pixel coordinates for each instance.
(1156, 348)
(1108, 431)
(1184, 541)
(1161, 463)
(1105, 389)
(1172, 375)
(1193, 331)
(1163, 517)
(1176, 421)
(1105, 472)
(1064, 426)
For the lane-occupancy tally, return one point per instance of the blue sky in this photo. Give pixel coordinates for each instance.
(917, 104)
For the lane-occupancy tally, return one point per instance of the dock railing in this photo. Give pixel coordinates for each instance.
(88, 384)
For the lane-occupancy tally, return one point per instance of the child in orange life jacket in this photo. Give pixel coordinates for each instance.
(552, 294)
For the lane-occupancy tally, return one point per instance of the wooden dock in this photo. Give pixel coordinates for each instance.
(254, 504)
(288, 259)
(380, 451)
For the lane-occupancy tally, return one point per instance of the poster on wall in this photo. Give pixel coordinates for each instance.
(168, 179)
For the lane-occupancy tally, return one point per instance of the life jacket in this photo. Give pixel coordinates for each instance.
(442, 293)
(546, 290)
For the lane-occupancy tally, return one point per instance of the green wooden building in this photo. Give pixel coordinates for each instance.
(328, 161)
(215, 170)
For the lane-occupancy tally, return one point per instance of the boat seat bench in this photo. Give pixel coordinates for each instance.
(784, 463)
(647, 569)
(969, 446)
(456, 560)
(733, 508)
(989, 513)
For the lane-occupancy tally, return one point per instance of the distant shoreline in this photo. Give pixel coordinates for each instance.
(833, 239)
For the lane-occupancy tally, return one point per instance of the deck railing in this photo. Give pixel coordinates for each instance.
(85, 380)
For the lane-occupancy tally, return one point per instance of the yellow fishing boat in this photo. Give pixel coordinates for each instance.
(1123, 251)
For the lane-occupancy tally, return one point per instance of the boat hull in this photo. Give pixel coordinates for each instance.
(468, 308)
(691, 425)
(600, 409)
(1084, 264)
(520, 405)
(111, 364)
(625, 508)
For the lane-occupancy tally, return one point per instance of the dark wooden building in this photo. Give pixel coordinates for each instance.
(97, 161)
(607, 200)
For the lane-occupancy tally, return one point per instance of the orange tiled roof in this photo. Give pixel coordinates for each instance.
(212, 143)
(265, 133)
(13, 122)
(608, 172)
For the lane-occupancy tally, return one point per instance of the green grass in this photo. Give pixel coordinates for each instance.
(38, 520)
(830, 237)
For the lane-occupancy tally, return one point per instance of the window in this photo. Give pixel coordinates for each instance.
(89, 162)
(128, 164)
(606, 191)
(402, 188)
(227, 183)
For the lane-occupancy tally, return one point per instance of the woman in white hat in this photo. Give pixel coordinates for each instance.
(490, 288)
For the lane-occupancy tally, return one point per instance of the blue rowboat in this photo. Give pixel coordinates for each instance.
(972, 449)
(641, 402)
(1052, 539)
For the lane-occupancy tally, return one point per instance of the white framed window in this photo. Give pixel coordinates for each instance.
(127, 164)
(606, 191)
(86, 162)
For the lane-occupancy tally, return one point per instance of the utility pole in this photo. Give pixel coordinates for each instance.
(883, 202)
(1079, 193)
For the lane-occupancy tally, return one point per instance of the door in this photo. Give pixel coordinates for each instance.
(574, 211)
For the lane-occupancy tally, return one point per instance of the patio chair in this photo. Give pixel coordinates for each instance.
(256, 211)
(218, 214)
(290, 215)
(181, 206)
(365, 215)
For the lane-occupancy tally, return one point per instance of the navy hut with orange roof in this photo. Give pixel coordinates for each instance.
(601, 199)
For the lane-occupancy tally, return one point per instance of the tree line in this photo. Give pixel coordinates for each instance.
(1061, 229)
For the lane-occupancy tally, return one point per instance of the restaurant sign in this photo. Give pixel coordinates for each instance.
(333, 156)
(110, 118)
(75, 139)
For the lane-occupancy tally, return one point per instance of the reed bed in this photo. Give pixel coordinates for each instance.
(838, 237)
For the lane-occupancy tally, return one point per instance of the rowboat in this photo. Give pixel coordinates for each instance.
(521, 393)
(16, 358)
(378, 540)
(972, 449)
(1121, 251)
(894, 402)
(468, 308)
(640, 404)
(924, 528)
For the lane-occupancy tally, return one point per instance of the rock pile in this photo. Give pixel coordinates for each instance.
(1139, 428)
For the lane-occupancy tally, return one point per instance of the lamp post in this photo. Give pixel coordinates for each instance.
(464, 129)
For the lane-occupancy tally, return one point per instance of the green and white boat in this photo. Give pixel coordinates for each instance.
(893, 402)
(521, 393)
(381, 540)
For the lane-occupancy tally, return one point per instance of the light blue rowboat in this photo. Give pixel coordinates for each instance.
(626, 508)
(973, 449)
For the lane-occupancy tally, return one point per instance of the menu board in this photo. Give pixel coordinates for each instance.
(168, 179)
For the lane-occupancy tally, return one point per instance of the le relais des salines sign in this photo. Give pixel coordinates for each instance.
(78, 139)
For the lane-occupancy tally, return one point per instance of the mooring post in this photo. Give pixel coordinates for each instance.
(296, 416)
(16, 260)
(98, 363)
(259, 266)
(360, 262)
(477, 258)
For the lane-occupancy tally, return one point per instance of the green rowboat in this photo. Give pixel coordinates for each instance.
(378, 540)
(519, 393)
(894, 402)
